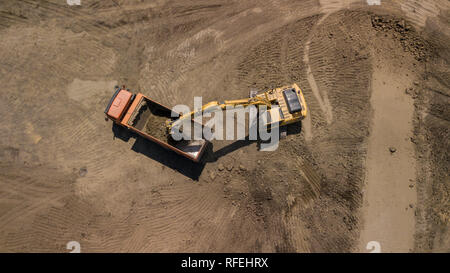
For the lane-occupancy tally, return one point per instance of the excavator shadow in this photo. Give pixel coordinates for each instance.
(213, 156)
(155, 152)
(181, 164)
(294, 128)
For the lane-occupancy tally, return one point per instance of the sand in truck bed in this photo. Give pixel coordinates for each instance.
(156, 127)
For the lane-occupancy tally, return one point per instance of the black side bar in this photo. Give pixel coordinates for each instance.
(112, 99)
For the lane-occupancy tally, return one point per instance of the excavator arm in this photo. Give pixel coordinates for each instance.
(215, 106)
(289, 101)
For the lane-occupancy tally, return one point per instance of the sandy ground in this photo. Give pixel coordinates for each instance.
(390, 159)
(374, 77)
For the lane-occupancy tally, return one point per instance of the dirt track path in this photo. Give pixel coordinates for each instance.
(387, 214)
(321, 97)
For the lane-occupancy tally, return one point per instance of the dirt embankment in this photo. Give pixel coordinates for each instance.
(429, 131)
(431, 137)
(406, 34)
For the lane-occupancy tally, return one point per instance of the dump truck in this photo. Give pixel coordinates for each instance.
(146, 117)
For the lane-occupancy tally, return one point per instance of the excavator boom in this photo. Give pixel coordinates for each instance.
(288, 99)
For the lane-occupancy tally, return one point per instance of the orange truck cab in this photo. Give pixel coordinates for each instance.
(133, 111)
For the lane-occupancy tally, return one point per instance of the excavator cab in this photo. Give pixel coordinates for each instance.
(291, 105)
(292, 100)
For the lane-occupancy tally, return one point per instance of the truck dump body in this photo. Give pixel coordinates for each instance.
(148, 119)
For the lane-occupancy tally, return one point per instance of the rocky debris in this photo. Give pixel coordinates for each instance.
(82, 172)
(413, 92)
(405, 33)
(242, 168)
(230, 167)
(392, 150)
(386, 23)
(212, 175)
(361, 55)
(220, 167)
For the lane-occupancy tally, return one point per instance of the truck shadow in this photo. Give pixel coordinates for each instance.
(169, 158)
(155, 152)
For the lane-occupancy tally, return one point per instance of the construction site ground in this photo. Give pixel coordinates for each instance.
(369, 163)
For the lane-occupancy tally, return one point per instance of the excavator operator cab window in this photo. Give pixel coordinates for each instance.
(292, 100)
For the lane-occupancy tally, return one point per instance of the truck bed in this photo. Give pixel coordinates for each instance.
(149, 120)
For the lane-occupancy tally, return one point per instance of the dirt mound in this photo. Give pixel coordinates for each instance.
(404, 32)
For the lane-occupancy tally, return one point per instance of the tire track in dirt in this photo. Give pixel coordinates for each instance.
(79, 126)
(325, 67)
(344, 75)
(89, 156)
(65, 13)
(298, 231)
(277, 60)
(418, 12)
(9, 19)
(322, 98)
(327, 7)
(49, 189)
(172, 219)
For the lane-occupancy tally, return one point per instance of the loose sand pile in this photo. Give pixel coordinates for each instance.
(156, 127)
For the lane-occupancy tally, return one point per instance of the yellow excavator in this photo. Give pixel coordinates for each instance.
(285, 105)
